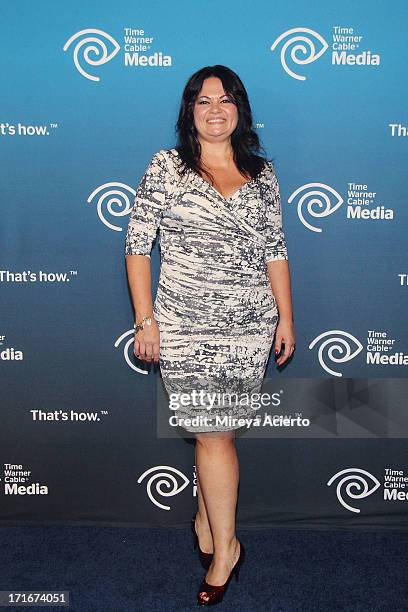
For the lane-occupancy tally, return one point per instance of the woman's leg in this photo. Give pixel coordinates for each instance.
(202, 524)
(218, 474)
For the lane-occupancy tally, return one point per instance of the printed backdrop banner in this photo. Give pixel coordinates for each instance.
(93, 91)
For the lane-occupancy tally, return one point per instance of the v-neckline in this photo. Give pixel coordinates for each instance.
(219, 194)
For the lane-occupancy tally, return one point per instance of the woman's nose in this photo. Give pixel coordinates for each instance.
(215, 106)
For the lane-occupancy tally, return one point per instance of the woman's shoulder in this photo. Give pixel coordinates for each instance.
(170, 155)
(169, 159)
(268, 164)
(165, 154)
(270, 171)
(267, 178)
(266, 169)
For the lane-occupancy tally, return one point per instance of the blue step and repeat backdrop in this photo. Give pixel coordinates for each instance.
(91, 91)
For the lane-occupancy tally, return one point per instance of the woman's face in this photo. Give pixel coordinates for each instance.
(215, 115)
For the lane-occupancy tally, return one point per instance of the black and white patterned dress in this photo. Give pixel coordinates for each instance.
(214, 305)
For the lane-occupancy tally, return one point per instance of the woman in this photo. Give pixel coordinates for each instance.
(224, 279)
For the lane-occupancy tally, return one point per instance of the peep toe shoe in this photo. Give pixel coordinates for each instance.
(216, 593)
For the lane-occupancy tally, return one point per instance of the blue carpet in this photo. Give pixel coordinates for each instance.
(124, 569)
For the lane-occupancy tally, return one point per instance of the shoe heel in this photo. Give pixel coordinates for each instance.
(205, 558)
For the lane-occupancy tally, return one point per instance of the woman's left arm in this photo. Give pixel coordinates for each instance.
(279, 277)
(276, 258)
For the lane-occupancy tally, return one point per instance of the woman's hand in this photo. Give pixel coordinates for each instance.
(147, 343)
(285, 333)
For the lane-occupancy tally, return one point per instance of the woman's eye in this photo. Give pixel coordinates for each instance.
(224, 100)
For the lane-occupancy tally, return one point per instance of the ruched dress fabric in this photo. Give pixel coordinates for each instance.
(214, 304)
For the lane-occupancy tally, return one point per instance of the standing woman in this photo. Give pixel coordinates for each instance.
(224, 290)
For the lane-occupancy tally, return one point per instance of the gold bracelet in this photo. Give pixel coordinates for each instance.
(138, 326)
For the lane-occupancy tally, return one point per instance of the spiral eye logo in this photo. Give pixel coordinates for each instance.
(164, 482)
(354, 478)
(115, 196)
(313, 195)
(339, 343)
(305, 45)
(95, 36)
(129, 345)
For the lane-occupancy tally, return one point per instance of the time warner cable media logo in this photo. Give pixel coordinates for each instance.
(91, 48)
(338, 346)
(298, 47)
(316, 201)
(356, 484)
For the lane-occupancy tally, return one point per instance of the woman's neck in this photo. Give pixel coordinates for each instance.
(216, 153)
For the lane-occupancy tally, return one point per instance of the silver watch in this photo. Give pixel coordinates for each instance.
(138, 326)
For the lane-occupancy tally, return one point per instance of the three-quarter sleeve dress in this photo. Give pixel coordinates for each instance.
(214, 304)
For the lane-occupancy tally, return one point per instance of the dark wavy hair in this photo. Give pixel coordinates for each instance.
(244, 140)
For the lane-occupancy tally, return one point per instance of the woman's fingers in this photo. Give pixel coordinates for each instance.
(147, 350)
(142, 350)
(286, 353)
(289, 345)
(289, 348)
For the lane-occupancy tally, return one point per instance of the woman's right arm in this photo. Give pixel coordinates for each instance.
(142, 228)
(147, 340)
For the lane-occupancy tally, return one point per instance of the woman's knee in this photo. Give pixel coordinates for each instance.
(215, 439)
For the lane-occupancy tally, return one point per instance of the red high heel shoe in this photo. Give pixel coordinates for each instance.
(205, 558)
(216, 593)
